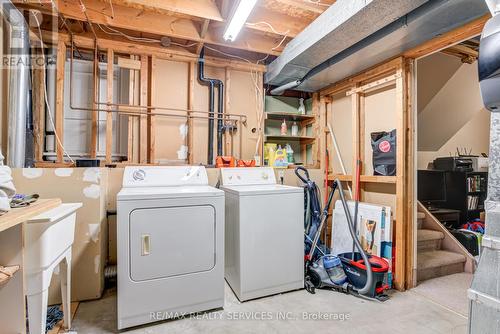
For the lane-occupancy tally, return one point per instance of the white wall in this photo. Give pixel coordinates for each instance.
(454, 116)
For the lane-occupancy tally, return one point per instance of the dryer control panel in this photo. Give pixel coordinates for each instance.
(247, 176)
(164, 176)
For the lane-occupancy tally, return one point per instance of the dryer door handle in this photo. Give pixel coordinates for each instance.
(146, 244)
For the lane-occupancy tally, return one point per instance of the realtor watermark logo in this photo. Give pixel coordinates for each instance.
(24, 25)
(254, 315)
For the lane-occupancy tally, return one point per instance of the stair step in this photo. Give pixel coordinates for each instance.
(427, 235)
(436, 263)
(420, 219)
(429, 240)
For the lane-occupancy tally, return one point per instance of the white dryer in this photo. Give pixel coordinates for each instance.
(264, 233)
(170, 232)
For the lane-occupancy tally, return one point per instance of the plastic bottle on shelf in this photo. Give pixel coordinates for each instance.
(284, 129)
(289, 154)
(295, 129)
(302, 107)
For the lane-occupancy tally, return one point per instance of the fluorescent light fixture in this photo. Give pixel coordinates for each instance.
(239, 16)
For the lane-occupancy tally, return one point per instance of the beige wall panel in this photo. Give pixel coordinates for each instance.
(340, 118)
(171, 90)
(454, 116)
(380, 115)
(475, 136)
(380, 194)
(244, 101)
(88, 186)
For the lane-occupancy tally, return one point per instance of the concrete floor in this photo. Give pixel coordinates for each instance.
(406, 313)
(449, 291)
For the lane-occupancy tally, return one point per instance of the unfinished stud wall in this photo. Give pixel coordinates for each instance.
(371, 101)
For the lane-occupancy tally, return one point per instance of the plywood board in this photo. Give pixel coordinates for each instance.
(20, 215)
(380, 115)
(171, 91)
(340, 118)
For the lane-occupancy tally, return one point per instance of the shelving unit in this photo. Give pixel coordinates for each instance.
(304, 144)
(364, 178)
(458, 192)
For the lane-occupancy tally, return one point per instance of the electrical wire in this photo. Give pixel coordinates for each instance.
(270, 26)
(318, 2)
(112, 9)
(138, 39)
(46, 94)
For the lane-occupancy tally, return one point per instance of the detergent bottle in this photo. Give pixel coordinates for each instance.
(280, 159)
(289, 154)
(302, 107)
(295, 129)
(284, 129)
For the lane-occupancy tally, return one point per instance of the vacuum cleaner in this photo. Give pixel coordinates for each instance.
(355, 273)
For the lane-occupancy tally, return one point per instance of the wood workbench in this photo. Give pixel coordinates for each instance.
(12, 301)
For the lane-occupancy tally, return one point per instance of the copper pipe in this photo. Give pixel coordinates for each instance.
(242, 118)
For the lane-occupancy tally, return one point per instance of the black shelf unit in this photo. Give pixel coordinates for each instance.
(466, 192)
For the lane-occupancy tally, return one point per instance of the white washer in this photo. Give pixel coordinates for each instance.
(264, 240)
(170, 244)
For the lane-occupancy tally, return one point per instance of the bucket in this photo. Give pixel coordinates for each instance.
(355, 269)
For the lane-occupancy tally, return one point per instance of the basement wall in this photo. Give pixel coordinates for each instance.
(450, 114)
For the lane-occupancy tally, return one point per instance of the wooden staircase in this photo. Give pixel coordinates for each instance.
(438, 252)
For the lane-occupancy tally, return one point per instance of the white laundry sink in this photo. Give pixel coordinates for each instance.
(48, 236)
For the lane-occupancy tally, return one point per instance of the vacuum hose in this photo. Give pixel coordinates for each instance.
(365, 289)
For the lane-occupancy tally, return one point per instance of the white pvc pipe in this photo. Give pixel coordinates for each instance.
(339, 156)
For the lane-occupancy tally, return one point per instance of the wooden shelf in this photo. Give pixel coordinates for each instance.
(302, 139)
(275, 115)
(365, 178)
(20, 215)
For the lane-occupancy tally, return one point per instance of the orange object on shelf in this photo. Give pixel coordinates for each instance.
(246, 163)
(225, 161)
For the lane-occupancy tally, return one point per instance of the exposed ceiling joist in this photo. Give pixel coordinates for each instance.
(159, 24)
(203, 32)
(260, 19)
(465, 53)
(310, 6)
(86, 41)
(275, 23)
(204, 9)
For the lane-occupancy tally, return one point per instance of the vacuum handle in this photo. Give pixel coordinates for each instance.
(305, 172)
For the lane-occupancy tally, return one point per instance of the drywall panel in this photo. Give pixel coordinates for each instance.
(473, 136)
(433, 72)
(88, 186)
(340, 118)
(244, 100)
(171, 91)
(450, 109)
(380, 115)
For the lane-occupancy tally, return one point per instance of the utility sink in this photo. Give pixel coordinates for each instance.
(48, 236)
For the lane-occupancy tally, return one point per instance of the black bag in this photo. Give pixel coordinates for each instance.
(384, 153)
(468, 239)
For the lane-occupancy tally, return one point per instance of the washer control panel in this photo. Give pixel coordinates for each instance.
(163, 176)
(247, 176)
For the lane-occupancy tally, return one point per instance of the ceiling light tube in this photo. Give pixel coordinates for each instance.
(239, 16)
